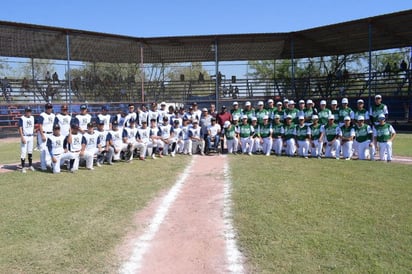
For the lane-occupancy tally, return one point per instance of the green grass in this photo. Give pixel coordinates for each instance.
(309, 216)
(402, 145)
(72, 223)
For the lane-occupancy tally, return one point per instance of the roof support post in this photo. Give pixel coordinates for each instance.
(215, 48)
(370, 64)
(34, 80)
(292, 51)
(142, 70)
(69, 80)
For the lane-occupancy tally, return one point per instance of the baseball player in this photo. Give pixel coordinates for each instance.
(142, 115)
(309, 111)
(195, 142)
(185, 135)
(129, 140)
(166, 134)
(323, 113)
(345, 111)
(106, 118)
(246, 131)
(291, 111)
(63, 119)
(131, 114)
(316, 137)
(303, 135)
(279, 111)
(331, 133)
(103, 138)
(74, 143)
(156, 137)
(377, 109)
(261, 112)
(26, 131)
(236, 111)
(83, 119)
(249, 112)
(264, 134)
(230, 134)
(361, 111)
(114, 143)
(92, 146)
(383, 134)
(177, 142)
(278, 135)
(45, 122)
(290, 136)
(347, 134)
(55, 149)
(143, 136)
(334, 110)
(364, 139)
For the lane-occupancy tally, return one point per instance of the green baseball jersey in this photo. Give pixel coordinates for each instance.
(292, 112)
(278, 130)
(323, 116)
(347, 131)
(336, 114)
(238, 112)
(302, 132)
(343, 112)
(383, 132)
(290, 131)
(245, 131)
(331, 131)
(363, 133)
(376, 111)
(230, 132)
(361, 112)
(281, 113)
(260, 114)
(265, 130)
(250, 114)
(315, 131)
(308, 112)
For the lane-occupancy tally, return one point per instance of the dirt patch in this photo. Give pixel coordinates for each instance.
(191, 238)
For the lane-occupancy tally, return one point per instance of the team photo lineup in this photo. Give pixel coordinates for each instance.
(154, 131)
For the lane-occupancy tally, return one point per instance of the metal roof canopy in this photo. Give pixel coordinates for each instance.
(33, 41)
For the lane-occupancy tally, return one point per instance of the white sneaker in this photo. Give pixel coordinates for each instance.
(153, 156)
(32, 168)
(98, 164)
(23, 170)
(250, 154)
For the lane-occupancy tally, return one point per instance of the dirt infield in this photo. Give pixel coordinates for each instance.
(191, 237)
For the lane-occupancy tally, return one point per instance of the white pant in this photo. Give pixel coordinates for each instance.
(365, 148)
(194, 145)
(232, 145)
(332, 150)
(45, 159)
(385, 151)
(88, 155)
(76, 158)
(290, 147)
(27, 147)
(277, 145)
(267, 145)
(247, 144)
(61, 159)
(303, 148)
(346, 148)
(141, 147)
(316, 150)
(257, 146)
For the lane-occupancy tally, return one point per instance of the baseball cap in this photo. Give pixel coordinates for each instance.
(235, 118)
(279, 103)
(309, 101)
(235, 103)
(194, 121)
(345, 101)
(115, 123)
(334, 102)
(83, 106)
(90, 125)
(27, 109)
(165, 118)
(270, 101)
(291, 102)
(100, 122)
(248, 104)
(288, 116)
(265, 117)
(301, 101)
(347, 118)
(48, 105)
(285, 100)
(104, 107)
(361, 118)
(301, 117)
(132, 120)
(244, 117)
(331, 117)
(164, 103)
(360, 101)
(193, 104)
(74, 125)
(314, 117)
(277, 116)
(254, 119)
(260, 103)
(213, 119)
(378, 97)
(56, 126)
(323, 102)
(381, 117)
(176, 121)
(223, 107)
(204, 109)
(226, 124)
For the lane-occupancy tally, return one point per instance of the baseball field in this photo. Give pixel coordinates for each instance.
(291, 215)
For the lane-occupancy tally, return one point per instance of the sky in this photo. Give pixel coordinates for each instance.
(156, 18)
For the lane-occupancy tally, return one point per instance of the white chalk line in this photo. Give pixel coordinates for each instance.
(234, 256)
(142, 244)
